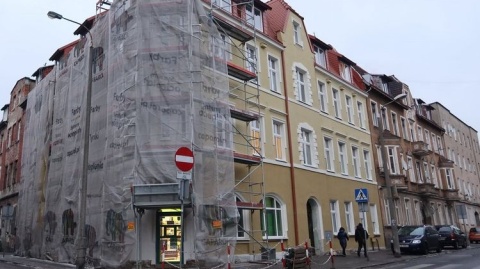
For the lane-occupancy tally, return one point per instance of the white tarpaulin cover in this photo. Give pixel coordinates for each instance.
(159, 83)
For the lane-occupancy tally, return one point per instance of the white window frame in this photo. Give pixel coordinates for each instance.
(392, 160)
(280, 209)
(224, 4)
(273, 74)
(322, 96)
(374, 217)
(245, 214)
(337, 108)
(384, 116)
(320, 56)
(403, 123)
(329, 156)
(361, 114)
(426, 170)
(342, 154)
(297, 38)
(411, 171)
(433, 173)
(345, 72)
(251, 59)
(350, 112)
(395, 123)
(335, 215)
(306, 141)
(254, 17)
(356, 162)
(300, 76)
(449, 178)
(418, 170)
(388, 217)
(349, 219)
(256, 136)
(368, 166)
(374, 109)
(279, 137)
(407, 211)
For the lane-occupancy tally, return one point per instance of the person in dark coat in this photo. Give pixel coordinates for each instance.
(361, 237)
(343, 238)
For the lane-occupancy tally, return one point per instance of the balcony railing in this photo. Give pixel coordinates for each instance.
(445, 163)
(427, 189)
(420, 149)
(451, 194)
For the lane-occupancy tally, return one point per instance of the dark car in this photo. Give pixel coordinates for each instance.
(451, 236)
(419, 238)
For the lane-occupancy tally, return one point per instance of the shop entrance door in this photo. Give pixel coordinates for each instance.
(169, 234)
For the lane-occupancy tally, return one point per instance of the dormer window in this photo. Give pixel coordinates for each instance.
(223, 4)
(385, 87)
(254, 17)
(320, 56)
(345, 72)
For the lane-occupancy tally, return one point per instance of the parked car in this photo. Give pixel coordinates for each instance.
(451, 236)
(419, 238)
(474, 235)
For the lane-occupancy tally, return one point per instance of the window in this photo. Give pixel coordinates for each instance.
(374, 216)
(224, 133)
(374, 114)
(404, 127)
(256, 137)
(278, 140)
(296, 34)
(388, 218)
(419, 172)
(449, 177)
(427, 139)
(411, 173)
(254, 17)
(328, 153)
(395, 124)
(419, 133)
(306, 141)
(348, 102)
(336, 103)
(385, 119)
(397, 211)
(320, 56)
(273, 73)
(274, 217)
(426, 170)
(243, 224)
(407, 212)
(334, 213)
(345, 72)
(221, 47)
(343, 158)
(224, 4)
(356, 162)
(434, 143)
(412, 132)
(368, 167)
(434, 176)
(349, 218)
(392, 159)
(418, 212)
(301, 91)
(322, 95)
(251, 59)
(9, 139)
(19, 131)
(361, 115)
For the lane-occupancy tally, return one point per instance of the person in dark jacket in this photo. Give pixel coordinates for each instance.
(343, 238)
(361, 236)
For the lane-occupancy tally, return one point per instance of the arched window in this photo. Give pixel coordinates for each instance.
(273, 219)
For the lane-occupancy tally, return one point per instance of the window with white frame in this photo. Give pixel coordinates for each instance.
(345, 72)
(349, 218)
(398, 213)
(395, 124)
(426, 171)
(356, 162)
(434, 176)
(374, 114)
(336, 103)
(256, 137)
(418, 169)
(403, 123)
(411, 172)
(322, 95)
(419, 133)
(407, 212)
(449, 178)
(368, 166)
(328, 153)
(427, 139)
(243, 223)
(418, 212)
(392, 159)
(278, 140)
(374, 217)
(224, 132)
(301, 87)
(306, 142)
(334, 214)
(320, 56)
(434, 142)
(342, 152)
(251, 59)
(383, 111)
(274, 218)
(297, 39)
(388, 218)
(224, 4)
(348, 102)
(361, 115)
(254, 17)
(364, 219)
(412, 132)
(273, 73)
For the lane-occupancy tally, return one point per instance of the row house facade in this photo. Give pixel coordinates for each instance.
(11, 145)
(422, 178)
(462, 147)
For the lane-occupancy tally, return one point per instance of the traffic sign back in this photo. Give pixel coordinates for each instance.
(361, 195)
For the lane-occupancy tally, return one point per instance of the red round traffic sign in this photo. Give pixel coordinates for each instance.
(184, 159)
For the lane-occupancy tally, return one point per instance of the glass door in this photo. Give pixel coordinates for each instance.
(169, 235)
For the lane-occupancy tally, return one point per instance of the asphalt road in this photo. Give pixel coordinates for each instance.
(452, 259)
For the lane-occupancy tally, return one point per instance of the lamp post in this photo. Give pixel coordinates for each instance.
(81, 241)
(388, 183)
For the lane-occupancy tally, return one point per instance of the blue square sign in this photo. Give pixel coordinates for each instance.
(361, 195)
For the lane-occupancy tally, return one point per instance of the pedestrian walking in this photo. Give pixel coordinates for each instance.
(361, 236)
(343, 238)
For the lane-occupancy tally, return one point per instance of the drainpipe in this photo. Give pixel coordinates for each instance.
(289, 142)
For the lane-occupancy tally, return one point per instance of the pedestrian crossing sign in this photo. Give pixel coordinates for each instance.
(361, 195)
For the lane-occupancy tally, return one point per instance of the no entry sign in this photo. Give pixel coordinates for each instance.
(184, 159)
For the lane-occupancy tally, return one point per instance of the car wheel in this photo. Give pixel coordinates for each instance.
(464, 244)
(455, 245)
(439, 248)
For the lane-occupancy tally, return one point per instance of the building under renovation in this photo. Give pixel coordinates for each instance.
(159, 83)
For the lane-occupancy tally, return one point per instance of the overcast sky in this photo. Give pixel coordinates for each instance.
(431, 45)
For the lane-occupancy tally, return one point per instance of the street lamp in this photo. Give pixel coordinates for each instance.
(386, 172)
(81, 242)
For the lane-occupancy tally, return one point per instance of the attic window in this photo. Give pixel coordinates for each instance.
(345, 72)
(254, 17)
(296, 34)
(320, 56)
(223, 4)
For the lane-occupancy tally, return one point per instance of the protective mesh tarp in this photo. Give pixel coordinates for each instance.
(159, 83)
